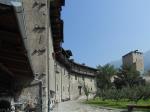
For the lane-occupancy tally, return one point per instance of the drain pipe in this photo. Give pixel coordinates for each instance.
(48, 31)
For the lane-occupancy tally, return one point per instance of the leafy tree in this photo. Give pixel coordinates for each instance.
(146, 91)
(86, 91)
(147, 73)
(128, 76)
(103, 78)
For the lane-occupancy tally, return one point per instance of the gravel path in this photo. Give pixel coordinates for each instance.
(75, 106)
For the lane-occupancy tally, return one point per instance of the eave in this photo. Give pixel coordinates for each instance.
(13, 52)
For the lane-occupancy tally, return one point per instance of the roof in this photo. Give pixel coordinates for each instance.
(56, 23)
(130, 53)
(13, 54)
(83, 66)
(67, 53)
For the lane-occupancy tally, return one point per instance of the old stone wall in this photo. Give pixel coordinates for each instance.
(69, 85)
(74, 86)
(134, 59)
(38, 42)
(51, 66)
(62, 82)
(58, 73)
(52, 79)
(138, 59)
(31, 95)
(78, 81)
(91, 83)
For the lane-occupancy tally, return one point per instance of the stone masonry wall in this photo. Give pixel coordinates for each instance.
(32, 95)
(67, 83)
(62, 82)
(38, 42)
(78, 80)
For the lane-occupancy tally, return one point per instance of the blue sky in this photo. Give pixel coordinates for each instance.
(100, 31)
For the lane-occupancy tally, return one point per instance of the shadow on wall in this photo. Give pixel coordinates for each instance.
(4, 106)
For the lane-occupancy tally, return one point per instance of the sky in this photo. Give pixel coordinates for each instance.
(100, 31)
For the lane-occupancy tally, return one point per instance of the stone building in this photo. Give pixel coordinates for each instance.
(25, 49)
(71, 78)
(82, 75)
(35, 71)
(67, 87)
(135, 59)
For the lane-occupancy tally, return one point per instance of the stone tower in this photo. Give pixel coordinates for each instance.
(134, 58)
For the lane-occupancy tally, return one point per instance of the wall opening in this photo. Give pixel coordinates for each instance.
(79, 87)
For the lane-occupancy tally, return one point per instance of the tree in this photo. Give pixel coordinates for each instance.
(103, 78)
(104, 75)
(128, 76)
(147, 73)
(86, 91)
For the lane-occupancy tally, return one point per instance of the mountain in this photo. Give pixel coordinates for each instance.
(118, 63)
(147, 60)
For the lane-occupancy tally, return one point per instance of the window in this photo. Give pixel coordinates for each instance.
(75, 77)
(82, 77)
(64, 71)
(57, 87)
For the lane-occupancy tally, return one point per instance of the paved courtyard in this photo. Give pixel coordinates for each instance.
(76, 106)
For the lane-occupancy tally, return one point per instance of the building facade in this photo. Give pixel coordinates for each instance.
(72, 78)
(35, 71)
(135, 59)
(26, 47)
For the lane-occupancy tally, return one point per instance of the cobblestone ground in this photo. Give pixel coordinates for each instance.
(75, 106)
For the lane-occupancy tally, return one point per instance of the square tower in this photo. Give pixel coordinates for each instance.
(134, 58)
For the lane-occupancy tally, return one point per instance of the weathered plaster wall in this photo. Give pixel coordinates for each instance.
(62, 82)
(90, 82)
(65, 84)
(39, 44)
(79, 80)
(68, 83)
(32, 95)
(55, 77)
(135, 59)
(74, 84)
(51, 64)
(58, 81)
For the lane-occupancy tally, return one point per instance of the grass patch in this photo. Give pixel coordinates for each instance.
(121, 104)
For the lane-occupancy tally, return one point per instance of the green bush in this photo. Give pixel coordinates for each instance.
(134, 94)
